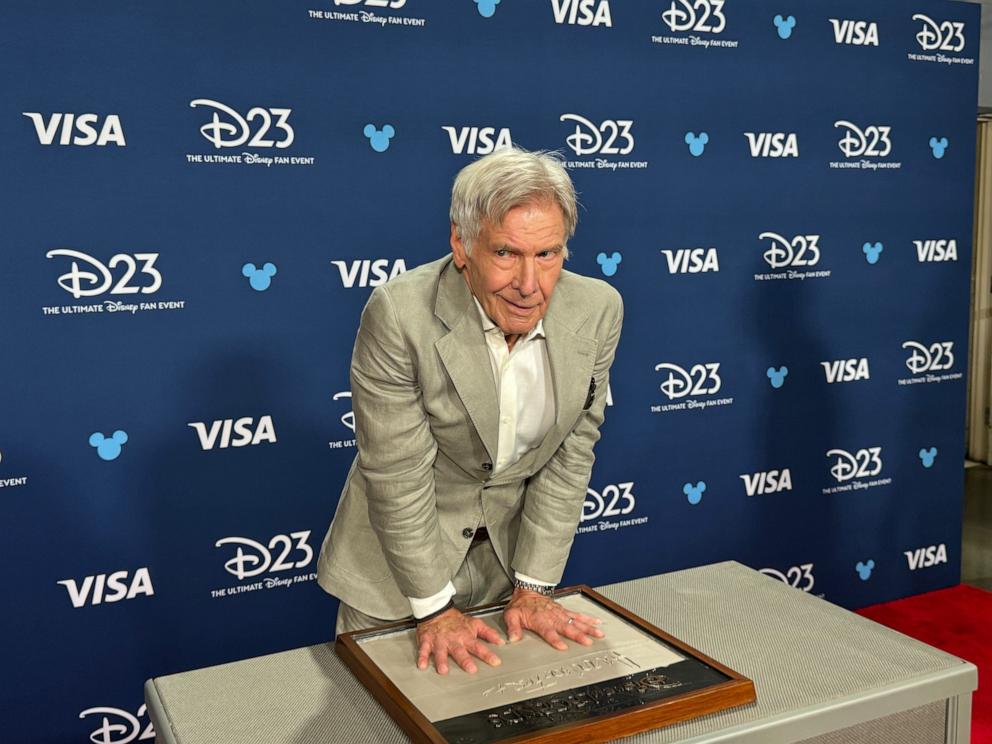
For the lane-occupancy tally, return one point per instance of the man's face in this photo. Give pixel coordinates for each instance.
(514, 266)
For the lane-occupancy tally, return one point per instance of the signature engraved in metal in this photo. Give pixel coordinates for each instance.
(616, 695)
(549, 677)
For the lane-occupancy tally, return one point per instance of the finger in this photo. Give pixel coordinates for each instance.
(488, 633)
(590, 630)
(513, 630)
(425, 654)
(587, 619)
(462, 658)
(483, 651)
(577, 635)
(441, 660)
(554, 639)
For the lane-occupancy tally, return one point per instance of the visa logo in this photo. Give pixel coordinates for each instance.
(108, 587)
(846, 370)
(855, 33)
(771, 481)
(691, 260)
(79, 129)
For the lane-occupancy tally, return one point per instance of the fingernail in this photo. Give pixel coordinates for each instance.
(497, 662)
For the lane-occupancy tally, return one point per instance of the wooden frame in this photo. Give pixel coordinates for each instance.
(736, 690)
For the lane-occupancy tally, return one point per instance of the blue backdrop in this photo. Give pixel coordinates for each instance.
(199, 196)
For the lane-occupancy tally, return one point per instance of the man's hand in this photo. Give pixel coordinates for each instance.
(459, 636)
(532, 611)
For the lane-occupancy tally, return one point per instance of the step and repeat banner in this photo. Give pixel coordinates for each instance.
(199, 197)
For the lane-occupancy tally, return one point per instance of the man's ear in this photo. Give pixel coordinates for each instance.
(457, 248)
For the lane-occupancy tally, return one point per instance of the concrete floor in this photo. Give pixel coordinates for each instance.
(976, 550)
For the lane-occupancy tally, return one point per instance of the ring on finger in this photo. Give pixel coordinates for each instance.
(570, 621)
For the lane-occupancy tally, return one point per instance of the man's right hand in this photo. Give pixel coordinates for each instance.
(459, 636)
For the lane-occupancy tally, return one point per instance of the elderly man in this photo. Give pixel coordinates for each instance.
(478, 382)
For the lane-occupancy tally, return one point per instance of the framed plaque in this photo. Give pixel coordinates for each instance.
(635, 679)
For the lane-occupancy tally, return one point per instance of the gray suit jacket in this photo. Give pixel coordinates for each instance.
(426, 415)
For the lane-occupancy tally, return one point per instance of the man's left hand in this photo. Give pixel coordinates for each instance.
(529, 610)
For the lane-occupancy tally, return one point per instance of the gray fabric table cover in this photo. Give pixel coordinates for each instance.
(817, 669)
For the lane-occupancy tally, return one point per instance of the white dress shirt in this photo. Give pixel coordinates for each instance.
(526, 400)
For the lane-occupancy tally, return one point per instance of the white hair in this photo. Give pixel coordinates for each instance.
(488, 188)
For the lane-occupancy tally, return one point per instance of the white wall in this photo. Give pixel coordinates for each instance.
(985, 60)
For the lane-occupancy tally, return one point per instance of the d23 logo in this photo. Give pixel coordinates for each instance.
(236, 130)
(347, 419)
(612, 502)
(701, 379)
(800, 577)
(611, 137)
(393, 4)
(865, 463)
(802, 250)
(101, 278)
(933, 358)
(118, 726)
(259, 560)
(947, 36)
(871, 142)
(700, 16)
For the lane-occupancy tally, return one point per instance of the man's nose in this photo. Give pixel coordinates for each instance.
(525, 281)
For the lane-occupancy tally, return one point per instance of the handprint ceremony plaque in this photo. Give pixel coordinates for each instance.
(635, 679)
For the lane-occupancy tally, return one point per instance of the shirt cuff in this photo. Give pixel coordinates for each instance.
(530, 579)
(425, 606)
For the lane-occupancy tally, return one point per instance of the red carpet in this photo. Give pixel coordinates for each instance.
(958, 621)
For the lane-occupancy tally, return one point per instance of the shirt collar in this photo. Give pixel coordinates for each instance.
(488, 326)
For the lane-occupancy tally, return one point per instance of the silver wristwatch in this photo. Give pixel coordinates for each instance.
(544, 589)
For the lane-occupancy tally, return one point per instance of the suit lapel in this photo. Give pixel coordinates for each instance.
(465, 356)
(572, 359)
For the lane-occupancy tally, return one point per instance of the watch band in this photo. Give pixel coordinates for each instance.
(546, 589)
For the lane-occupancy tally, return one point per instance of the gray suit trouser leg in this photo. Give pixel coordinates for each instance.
(480, 580)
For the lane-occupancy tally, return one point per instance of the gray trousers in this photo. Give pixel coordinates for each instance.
(479, 580)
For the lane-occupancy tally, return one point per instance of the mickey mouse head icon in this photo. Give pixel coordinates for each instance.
(938, 146)
(609, 263)
(486, 8)
(259, 278)
(108, 448)
(379, 138)
(777, 376)
(927, 456)
(694, 493)
(864, 569)
(784, 25)
(872, 252)
(697, 142)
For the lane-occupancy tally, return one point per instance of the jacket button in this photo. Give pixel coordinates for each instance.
(467, 532)
(487, 466)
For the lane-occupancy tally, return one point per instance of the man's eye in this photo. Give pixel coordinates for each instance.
(502, 252)
(548, 254)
